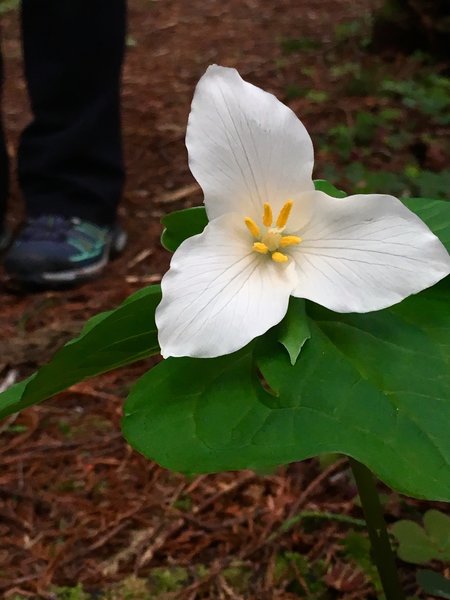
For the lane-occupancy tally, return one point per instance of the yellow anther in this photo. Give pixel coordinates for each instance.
(289, 240)
(260, 247)
(267, 216)
(252, 227)
(279, 257)
(284, 214)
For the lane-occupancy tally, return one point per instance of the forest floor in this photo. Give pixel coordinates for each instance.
(81, 514)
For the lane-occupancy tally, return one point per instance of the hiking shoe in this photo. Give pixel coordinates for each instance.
(53, 251)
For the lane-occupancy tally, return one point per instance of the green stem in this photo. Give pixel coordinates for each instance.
(382, 554)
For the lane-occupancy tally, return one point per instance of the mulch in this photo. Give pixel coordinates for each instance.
(77, 504)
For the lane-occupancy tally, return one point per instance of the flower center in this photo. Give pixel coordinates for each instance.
(269, 239)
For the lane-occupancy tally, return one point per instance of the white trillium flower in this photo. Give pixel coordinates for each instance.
(271, 235)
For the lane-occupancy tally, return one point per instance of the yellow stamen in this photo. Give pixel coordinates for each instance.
(284, 214)
(260, 247)
(279, 257)
(252, 227)
(267, 216)
(289, 240)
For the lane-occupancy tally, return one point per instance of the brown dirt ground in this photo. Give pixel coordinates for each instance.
(77, 504)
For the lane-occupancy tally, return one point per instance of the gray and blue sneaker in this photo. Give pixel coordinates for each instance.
(53, 251)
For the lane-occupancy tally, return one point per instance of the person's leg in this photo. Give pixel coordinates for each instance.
(4, 171)
(70, 156)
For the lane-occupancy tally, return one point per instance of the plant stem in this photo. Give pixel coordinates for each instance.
(382, 554)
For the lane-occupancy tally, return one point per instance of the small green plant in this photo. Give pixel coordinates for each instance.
(344, 139)
(291, 45)
(317, 96)
(71, 593)
(16, 428)
(356, 31)
(434, 584)
(413, 182)
(341, 139)
(366, 181)
(343, 69)
(298, 576)
(421, 545)
(356, 548)
(422, 182)
(7, 5)
(364, 82)
(293, 91)
(167, 579)
(429, 95)
(130, 588)
(183, 503)
(238, 576)
(365, 127)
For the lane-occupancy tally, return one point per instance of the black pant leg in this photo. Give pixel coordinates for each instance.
(70, 156)
(4, 161)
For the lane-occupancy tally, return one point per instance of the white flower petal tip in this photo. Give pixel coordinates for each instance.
(219, 294)
(364, 253)
(245, 147)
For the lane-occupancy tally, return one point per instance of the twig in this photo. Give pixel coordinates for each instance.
(10, 379)
(8, 422)
(145, 279)
(231, 488)
(140, 256)
(180, 194)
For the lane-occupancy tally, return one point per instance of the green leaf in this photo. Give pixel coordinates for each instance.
(294, 329)
(434, 584)
(322, 185)
(181, 224)
(435, 213)
(165, 401)
(109, 340)
(421, 545)
(10, 399)
(373, 386)
(437, 526)
(414, 544)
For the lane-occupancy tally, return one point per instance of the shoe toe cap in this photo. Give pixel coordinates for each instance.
(34, 258)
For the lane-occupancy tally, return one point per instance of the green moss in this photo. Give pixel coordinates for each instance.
(71, 593)
(167, 579)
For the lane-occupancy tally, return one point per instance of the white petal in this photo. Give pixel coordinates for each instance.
(364, 252)
(218, 295)
(245, 147)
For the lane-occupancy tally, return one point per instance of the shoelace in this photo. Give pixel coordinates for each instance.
(48, 228)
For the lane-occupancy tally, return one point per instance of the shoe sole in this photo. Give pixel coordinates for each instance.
(74, 275)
